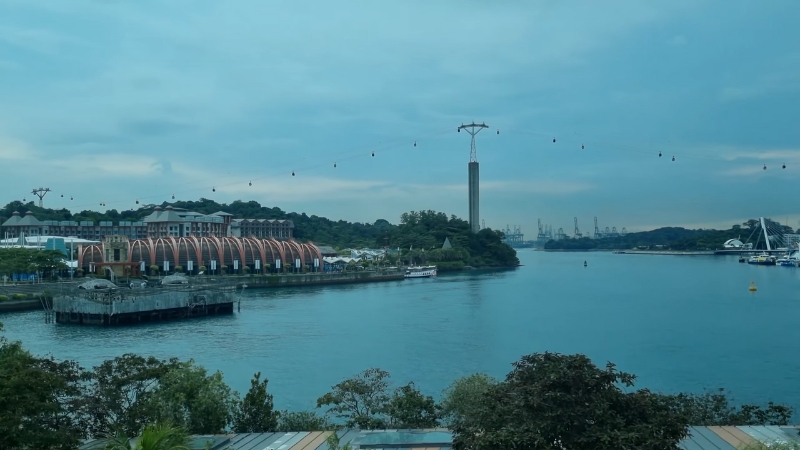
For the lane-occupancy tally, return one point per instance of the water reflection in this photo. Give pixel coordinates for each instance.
(669, 319)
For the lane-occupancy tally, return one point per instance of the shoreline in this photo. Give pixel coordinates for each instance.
(256, 282)
(638, 252)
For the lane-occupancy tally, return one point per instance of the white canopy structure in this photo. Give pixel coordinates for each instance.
(733, 243)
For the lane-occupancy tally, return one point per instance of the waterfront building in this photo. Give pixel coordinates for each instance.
(161, 223)
(791, 240)
(733, 244)
(262, 228)
(233, 254)
(177, 222)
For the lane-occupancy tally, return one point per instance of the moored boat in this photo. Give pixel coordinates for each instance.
(762, 260)
(420, 272)
(790, 259)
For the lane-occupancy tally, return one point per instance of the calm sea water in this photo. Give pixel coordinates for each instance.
(680, 323)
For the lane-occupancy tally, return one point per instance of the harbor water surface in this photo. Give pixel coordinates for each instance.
(681, 323)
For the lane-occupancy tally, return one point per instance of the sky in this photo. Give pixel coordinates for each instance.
(116, 101)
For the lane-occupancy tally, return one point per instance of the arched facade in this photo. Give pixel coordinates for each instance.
(202, 250)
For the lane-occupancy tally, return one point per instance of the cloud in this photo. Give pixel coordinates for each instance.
(76, 166)
(112, 165)
(14, 150)
(154, 127)
(743, 171)
(767, 84)
(149, 101)
(538, 187)
(677, 40)
(6, 64)
(37, 39)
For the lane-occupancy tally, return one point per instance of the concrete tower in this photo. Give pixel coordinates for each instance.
(474, 176)
(474, 196)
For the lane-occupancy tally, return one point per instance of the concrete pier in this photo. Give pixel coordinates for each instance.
(118, 306)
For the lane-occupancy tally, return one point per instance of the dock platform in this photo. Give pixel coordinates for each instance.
(102, 303)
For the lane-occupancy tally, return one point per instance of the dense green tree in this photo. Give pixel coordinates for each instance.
(122, 394)
(191, 398)
(360, 401)
(160, 436)
(409, 408)
(716, 408)
(255, 413)
(23, 260)
(334, 443)
(564, 401)
(465, 396)
(40, 401)
(302, 421)
(365, 401)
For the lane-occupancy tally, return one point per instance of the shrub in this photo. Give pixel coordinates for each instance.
(178, 269)
(3, 298)
(19, 297)
(202, 268)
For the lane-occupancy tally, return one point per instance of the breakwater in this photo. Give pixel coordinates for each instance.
(317, 279)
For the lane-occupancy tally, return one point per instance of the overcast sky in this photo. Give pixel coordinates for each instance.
(114, 101)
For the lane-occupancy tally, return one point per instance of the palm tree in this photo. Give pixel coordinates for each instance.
(154, 437)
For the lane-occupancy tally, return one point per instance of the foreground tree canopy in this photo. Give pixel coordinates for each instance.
(23, 260)
(425, 231)
(547, 401)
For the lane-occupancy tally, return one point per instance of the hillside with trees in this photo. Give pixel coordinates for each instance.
(670, 238)
(420, 234)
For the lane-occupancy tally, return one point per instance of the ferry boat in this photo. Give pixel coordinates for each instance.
(762, 260)
(420, 272)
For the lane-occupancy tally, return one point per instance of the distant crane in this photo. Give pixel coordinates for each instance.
(513, 237)
(578, 234)
(542, 235)
(597, 233)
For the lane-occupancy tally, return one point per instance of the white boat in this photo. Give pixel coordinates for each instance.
(790, 259)
(420, 272)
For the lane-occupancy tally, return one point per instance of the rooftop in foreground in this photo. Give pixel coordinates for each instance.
(701, 438)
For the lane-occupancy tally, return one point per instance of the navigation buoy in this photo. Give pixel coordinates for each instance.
(752, 287)
(585, 264)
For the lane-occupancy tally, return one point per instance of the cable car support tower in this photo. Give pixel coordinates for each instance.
(41, 192)
(473, 170)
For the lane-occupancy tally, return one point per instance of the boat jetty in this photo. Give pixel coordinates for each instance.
(101, 302)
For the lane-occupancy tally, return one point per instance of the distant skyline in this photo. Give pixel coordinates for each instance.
(110, 102)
